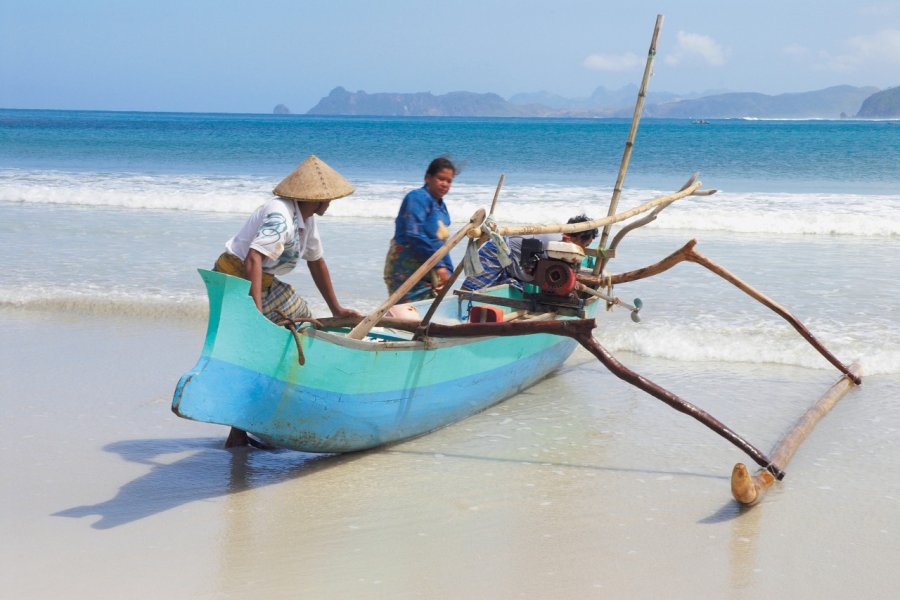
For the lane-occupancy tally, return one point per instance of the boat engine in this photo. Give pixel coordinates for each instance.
(547, 270)
(552, 268)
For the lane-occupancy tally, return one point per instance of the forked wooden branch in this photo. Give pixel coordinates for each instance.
(692, 190)
(688, 253)
(617, 239)
(750, 489)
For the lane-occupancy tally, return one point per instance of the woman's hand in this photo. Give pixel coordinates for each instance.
(442, 276)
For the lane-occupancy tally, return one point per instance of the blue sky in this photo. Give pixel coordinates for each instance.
(230, 56)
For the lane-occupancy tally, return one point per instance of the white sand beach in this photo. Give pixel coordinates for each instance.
(580, 487)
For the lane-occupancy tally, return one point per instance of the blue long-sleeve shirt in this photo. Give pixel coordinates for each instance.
(417, 223)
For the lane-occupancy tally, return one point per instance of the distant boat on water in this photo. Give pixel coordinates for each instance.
(700, 122)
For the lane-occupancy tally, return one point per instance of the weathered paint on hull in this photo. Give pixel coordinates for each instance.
(349, 395)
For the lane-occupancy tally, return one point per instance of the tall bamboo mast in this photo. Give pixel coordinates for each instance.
(626, 156)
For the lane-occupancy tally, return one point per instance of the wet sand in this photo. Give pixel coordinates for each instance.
(580, 487)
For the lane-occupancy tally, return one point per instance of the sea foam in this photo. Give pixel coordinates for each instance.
(876, 215)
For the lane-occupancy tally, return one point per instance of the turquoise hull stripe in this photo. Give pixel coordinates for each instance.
(316, 420)
(347, 397)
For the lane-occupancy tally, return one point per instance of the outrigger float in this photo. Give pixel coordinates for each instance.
(350, 384)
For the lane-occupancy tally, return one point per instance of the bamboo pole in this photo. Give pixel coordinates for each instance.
(691, 190)
(459, 268)
(497, 194)
(632, 133)
(748, 489)
(361, 330)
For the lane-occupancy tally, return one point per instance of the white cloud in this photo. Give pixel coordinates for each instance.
(884, 45)
(694, 47)
(796, 51)
(612, 62)
(874, 50)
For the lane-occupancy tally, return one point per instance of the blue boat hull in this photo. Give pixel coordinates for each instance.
(350, 395)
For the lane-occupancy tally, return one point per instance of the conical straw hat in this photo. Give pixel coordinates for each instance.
(313, 181)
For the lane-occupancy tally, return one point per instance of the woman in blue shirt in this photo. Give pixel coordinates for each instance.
(421, 227)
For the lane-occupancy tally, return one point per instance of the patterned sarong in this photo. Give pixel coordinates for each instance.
(276, 294)
(493, 272)
(399, 265)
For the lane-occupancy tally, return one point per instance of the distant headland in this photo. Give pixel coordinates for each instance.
(836, 102)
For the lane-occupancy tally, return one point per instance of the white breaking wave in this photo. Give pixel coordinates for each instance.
(104, 302)
(133, 191)
(706, 341)
(746, 212)
(699, 342)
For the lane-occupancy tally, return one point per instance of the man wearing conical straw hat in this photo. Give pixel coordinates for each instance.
(274, 239)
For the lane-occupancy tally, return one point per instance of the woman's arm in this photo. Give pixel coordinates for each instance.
(414, 214)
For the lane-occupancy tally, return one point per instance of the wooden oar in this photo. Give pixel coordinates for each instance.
(750, 489)
(458, 270)
(361, 330)
(632, 133)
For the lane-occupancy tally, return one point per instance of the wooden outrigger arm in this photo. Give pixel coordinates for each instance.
(750, 489)
(580, 330)
(687, 253)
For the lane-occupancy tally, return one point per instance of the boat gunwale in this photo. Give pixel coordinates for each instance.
(375, 345)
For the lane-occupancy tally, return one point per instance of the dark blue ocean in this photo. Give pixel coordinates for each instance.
(742, 155)
(114, 212)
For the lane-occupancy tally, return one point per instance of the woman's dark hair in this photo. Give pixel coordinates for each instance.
(582, 218)
(439, 164)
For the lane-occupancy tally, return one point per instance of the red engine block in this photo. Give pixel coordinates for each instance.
(554, 277)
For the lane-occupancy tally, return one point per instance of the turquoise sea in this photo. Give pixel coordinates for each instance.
(807, 210)
(581, 486)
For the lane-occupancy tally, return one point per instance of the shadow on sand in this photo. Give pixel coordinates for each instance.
(200, 469)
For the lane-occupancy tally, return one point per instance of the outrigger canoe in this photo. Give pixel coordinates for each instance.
(352, 394)
(330, 389)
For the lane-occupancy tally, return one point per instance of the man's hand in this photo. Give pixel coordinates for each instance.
(340, 311)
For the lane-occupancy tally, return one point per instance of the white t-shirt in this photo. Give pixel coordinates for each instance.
(278, 231)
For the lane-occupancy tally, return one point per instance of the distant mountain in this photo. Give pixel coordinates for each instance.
(281, 109)
(881, 105)
(829, 103)
(601, 101)
(454, 104)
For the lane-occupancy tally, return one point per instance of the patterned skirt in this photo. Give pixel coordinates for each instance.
(399, 265)
(276, 294)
